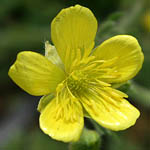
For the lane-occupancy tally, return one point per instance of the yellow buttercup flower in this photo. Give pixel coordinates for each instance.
(77, 79)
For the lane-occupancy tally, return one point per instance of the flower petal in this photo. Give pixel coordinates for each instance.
(127, 53)
(52, 55)
(62, 121)
(110, 109)
(35, 74)
(73, 32)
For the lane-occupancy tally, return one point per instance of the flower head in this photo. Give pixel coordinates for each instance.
(77, 79)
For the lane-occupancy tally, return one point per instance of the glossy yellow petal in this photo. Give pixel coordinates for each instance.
(35, 74)
(73, 32)
(126, 55)
(108, 107)
(62, 121)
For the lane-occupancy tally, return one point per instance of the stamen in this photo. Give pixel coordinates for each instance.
(88, 82)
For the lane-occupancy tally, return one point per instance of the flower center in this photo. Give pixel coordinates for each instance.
(87, 75)
(77, 82)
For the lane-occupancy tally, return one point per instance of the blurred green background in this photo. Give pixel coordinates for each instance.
(25, 25)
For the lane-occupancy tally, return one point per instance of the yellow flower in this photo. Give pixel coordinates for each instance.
(78, 81)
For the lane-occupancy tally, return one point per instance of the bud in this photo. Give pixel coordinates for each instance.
(89, 140)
